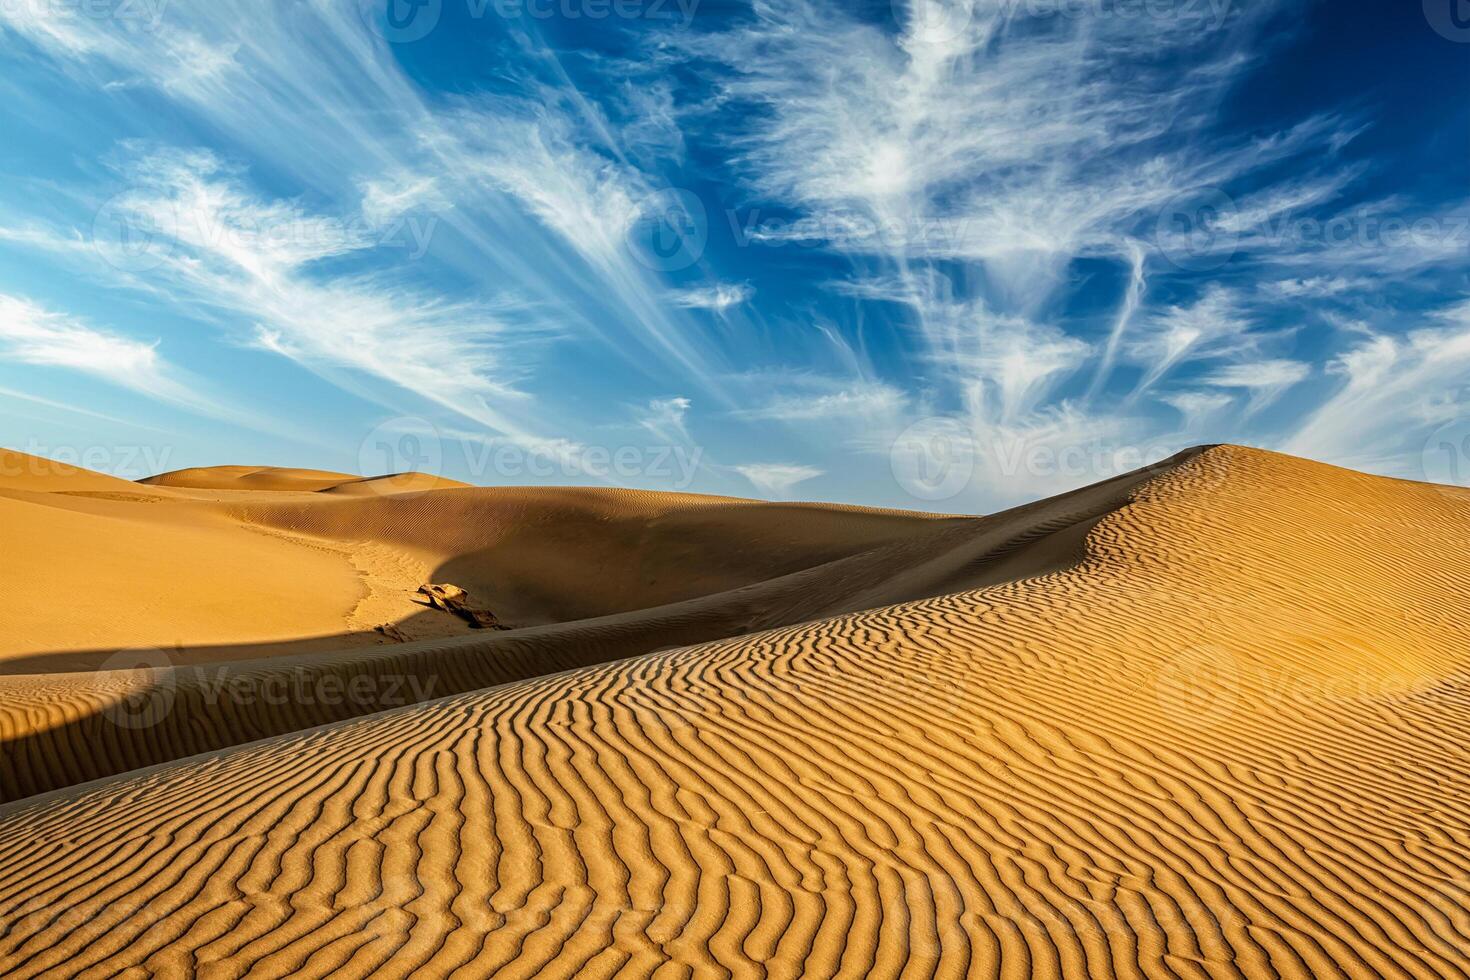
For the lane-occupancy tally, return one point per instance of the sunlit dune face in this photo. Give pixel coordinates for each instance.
(1167, 678)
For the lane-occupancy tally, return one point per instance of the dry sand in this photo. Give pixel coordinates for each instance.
(1204, 721)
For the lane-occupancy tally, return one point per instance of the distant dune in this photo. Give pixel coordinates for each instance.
(281, 479)
(1203, 720)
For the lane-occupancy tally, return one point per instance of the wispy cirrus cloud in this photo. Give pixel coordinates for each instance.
(964, 174)
(228, 254)
(718, 298)
(1047, 226)
(1266, 380)
(1198, 408)
(527, 188)
(1214, 325)
(664, 417)
(1391, 394)
(32, 334)
(819, 399)
(777, 479)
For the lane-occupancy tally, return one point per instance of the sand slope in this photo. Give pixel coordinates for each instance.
(610, 549)
(269, 478)
(225, 563)
(1227, 741)
(278, 479)
(96, 564)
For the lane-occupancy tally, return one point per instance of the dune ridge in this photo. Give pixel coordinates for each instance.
(51, 724)
(201, 573)
(1225, 739)
(279, 479)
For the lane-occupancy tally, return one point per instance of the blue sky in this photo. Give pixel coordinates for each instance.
(929, 254)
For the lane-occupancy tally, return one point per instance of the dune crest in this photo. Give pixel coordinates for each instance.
(277, 479)
(582, 577)
(1222, 738)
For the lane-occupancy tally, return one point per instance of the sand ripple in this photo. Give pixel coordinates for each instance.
(1228, 742)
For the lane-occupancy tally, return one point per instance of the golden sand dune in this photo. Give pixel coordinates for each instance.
(225, 563)
(271, 478)
(553, 555)
(277, 479)
(1208, 724)
(34, 474)
(94, 564)
(604, 551)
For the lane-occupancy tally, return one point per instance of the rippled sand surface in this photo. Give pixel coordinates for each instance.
(1209, 721)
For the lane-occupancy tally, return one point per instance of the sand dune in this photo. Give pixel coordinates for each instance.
(95, 564)
(271, 478)
(1206, 721)
(34, 474)
(567, 567)
(226, 563)
(279, 479)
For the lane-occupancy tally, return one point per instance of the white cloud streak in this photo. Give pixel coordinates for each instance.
(717, 298)
(777, 479)
(31, 334)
